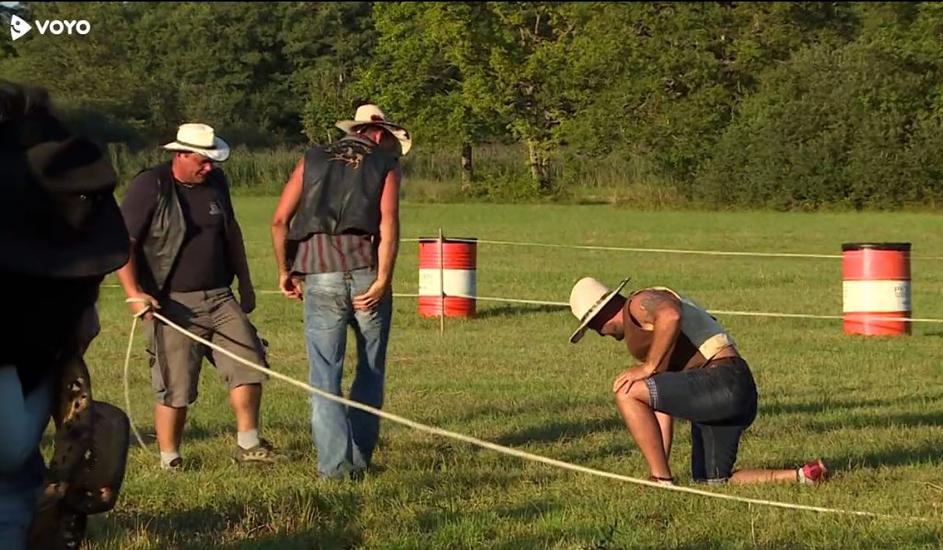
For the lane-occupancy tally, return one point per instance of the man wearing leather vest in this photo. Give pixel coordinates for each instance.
(336, 236)
(688, 367)
(186, 249)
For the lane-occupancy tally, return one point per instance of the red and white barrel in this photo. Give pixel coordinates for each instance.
(454, 270)
(876, 288)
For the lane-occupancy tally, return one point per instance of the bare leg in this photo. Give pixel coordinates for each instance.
(644, 427)
(666, 422)
(245, 401)
(169, 422)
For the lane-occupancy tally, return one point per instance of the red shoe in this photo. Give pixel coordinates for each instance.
(813, 473)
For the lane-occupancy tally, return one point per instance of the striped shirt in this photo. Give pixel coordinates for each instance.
(323, 253)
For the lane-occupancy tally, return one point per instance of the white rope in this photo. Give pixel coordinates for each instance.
(515, 452)
(127, 366)
(509, 300)
(771, 314)
(659, 250)
(713, 312)
(830, 317)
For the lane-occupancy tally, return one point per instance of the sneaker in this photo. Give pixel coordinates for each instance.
(813, 473)
(263, 453)
(175, 465)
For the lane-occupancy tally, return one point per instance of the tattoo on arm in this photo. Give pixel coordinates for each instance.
(652, 300)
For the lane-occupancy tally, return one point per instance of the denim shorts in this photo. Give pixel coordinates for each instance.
(720, 400)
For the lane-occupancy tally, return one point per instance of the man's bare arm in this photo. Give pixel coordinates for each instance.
(389, 243)
(138, 300)
(389, 227)
(661, 311)
(284, 212)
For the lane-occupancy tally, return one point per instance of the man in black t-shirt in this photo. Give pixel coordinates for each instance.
(186, 249)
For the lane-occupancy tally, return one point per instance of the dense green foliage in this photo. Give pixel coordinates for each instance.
(787, 105)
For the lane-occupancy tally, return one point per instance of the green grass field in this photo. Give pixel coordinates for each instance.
(872, 407)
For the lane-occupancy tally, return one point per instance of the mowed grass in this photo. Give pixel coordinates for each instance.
(873, 407)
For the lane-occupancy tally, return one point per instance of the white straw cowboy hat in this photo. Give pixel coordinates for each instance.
(370, 114)
(200, 138)
(587, 299)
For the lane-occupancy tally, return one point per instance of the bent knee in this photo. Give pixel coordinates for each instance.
(638, 393)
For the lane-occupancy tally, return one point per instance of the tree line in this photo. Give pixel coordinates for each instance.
(788, 105)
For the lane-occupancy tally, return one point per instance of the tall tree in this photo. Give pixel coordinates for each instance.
(228, 68)
(325, 43)
(414, 75)
(149, 66)
(678, 72)
(478, 65)
(527, 74)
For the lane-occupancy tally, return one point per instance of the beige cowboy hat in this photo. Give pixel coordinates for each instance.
(201, 139)
(587, 299)
(370, 114)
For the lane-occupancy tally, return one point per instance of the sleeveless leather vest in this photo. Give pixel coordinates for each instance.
(168, 228)
(343, 183)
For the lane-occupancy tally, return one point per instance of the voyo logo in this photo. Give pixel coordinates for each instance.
(19, 27)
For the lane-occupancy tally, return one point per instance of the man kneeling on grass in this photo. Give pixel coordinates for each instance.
(689, 368)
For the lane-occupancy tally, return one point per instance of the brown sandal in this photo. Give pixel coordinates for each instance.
(662, 480)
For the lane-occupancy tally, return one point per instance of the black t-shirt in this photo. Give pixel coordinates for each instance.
(202, 263)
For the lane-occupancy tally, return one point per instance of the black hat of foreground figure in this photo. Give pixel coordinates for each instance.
(58, 215)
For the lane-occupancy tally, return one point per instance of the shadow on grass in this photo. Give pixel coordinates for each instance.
(512, 310)
(770, 407)
(856, 413)
(299, 520)
(209, 431)
(190, 435)
(877, 420)
(928, 453)
(312, 539)
(561, 431)
(452, 514)
(502, 410)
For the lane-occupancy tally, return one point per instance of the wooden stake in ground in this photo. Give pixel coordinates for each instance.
(441, 285)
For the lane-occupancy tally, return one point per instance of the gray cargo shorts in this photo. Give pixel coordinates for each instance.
(176, 359)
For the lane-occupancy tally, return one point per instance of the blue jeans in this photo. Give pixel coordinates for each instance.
(344, 438)
(19, 493)
(22, 421)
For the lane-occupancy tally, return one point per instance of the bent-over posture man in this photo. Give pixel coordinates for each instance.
(689, 367)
